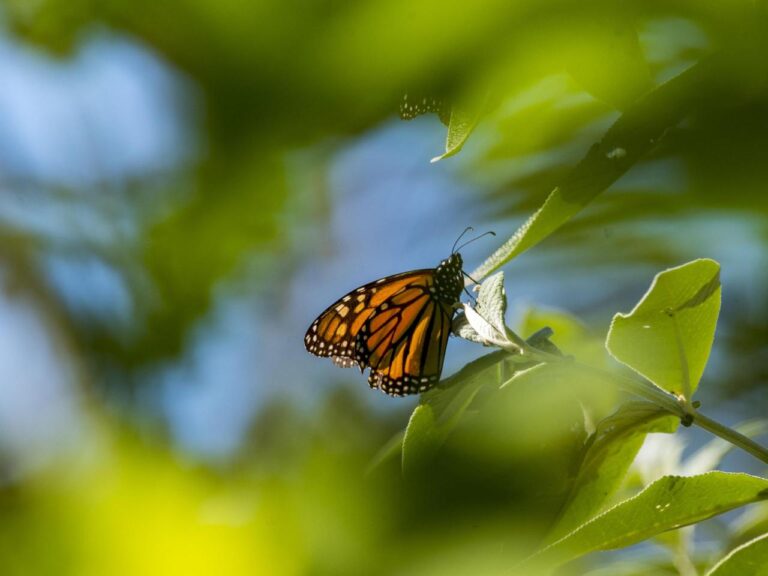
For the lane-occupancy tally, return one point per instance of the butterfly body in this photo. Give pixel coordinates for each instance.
(397, 326)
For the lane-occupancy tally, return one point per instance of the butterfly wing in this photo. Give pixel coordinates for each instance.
(404, 342)
(335, 333)
(396, 326)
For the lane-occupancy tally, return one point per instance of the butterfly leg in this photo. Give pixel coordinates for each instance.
(471, 297)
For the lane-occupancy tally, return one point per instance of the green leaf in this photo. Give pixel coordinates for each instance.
(463, 328)
(610, 452)
(533, 418)
(568, 334)
(542, 372)
(478, 329)
(632, 136)
(420, 441)
(443, 406)
(567, 330)
(607, 59)
(669, 503)
(667, 337)
(750, 559)
(492, 301)
(391, 450)
(454, 394)
(464, 119)
(485, 323)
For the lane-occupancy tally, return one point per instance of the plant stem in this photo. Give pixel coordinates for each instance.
(687, 389)
(673, 405)
(664, 400)
(644, 389)
(730, 435)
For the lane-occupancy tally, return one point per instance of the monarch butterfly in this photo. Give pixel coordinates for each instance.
(397, 326)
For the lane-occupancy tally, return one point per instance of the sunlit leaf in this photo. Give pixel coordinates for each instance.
(465, 115)
(484, 321)
(492, 301)
(481, 330)
(750, 559)
(667, 337)
(670, 502)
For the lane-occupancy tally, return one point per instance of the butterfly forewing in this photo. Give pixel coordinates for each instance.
(397, 326)
(334, 333)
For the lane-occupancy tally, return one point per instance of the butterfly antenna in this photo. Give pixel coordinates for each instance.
(467, 229)
(491, 232)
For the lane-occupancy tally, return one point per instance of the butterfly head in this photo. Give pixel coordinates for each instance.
(449, 279)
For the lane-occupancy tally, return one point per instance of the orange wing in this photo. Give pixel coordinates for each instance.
(406, 344)
(335, 332)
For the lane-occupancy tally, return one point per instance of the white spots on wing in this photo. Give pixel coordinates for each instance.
(343, 362)
(342, 310)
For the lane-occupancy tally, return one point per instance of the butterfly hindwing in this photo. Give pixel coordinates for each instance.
(407, 357)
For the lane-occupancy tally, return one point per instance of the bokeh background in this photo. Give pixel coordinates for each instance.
(185, 185)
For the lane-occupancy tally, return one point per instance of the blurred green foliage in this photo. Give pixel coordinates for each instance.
(579, 96)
